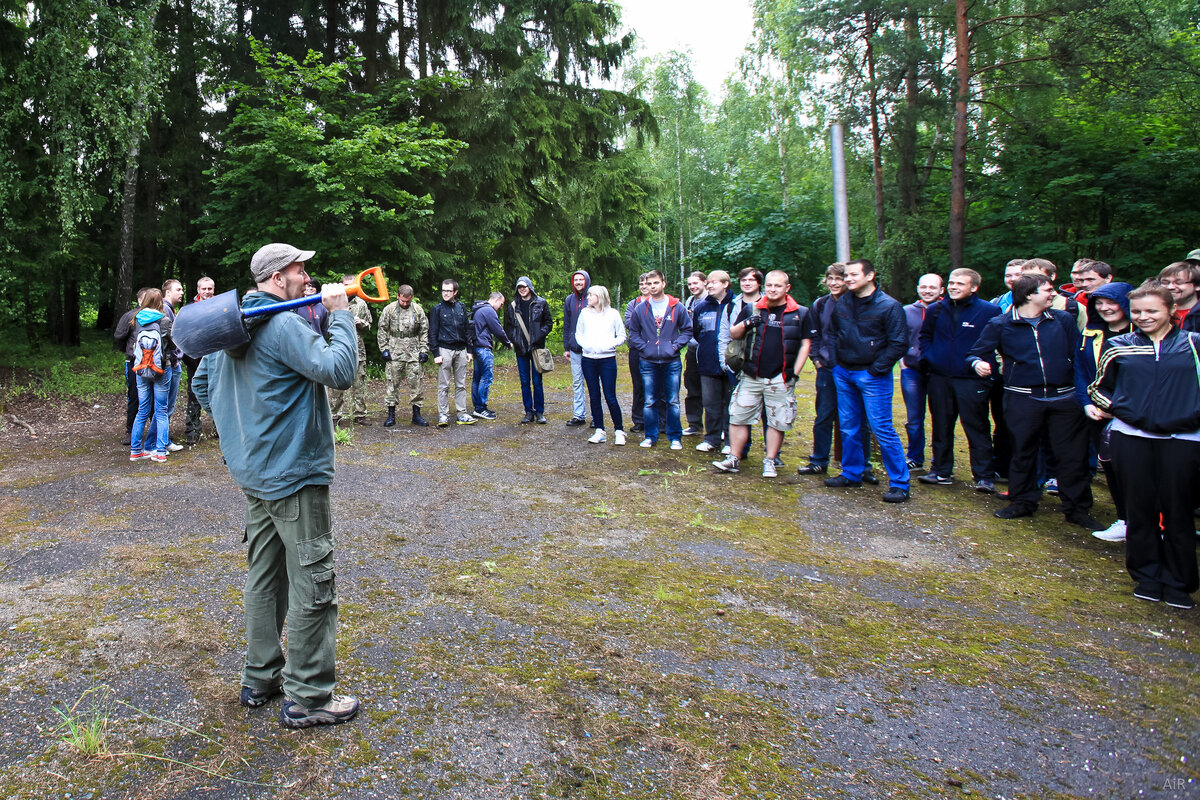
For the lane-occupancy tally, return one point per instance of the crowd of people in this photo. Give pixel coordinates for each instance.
(1050, 385)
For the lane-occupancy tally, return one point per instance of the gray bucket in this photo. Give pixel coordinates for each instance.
(210, 325)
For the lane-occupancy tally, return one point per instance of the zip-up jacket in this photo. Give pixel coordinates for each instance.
(914, 317)
(628, 319)
(1191, 322)
(536, 315)
(450, 327)
(731, 315)
(1037, 360)
(1091, 342)
(659, 345)
(487, 326)
(949, 331)
(706, 329)
(870, 332)
(792, 331)
(572, 305)
(820, 327)
(1152, 387)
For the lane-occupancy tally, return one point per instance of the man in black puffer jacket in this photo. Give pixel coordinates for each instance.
(871, 335)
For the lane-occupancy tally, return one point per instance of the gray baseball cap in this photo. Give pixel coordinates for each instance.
(1194, 255)
(274, 258)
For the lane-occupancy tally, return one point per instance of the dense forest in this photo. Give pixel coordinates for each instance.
(145, 139)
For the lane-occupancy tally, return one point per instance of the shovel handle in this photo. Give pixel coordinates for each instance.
(353, 290)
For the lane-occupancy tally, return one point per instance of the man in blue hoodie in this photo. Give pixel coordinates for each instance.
(575, 302)
(269, 401)
(487, 332)
(659, 327)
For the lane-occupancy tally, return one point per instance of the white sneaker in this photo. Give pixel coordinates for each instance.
(705, 447)
(769, 469)
(725, 450)
(598, 437)
(646, 443)
(173, 448)
(728, 465)
(619, 438)
(1113, 533)
(676, 445)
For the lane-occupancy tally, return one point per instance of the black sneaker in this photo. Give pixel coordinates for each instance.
(575, 422)
(933, 479)
(487, 413)
(1014, 510)
(334, 711)
(869, 478)
(256, 698)
(984, 486)
(1152, 592)
(895, 495)
(1084, 520)
(914, 464)
(1176, 598)
(637, 428)
(812, 469)
(841, 482)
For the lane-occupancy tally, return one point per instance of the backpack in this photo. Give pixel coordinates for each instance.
(148, 351)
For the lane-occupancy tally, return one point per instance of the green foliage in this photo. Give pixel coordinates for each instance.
(58, 371)
(310, 161)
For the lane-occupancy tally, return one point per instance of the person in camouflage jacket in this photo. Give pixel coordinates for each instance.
(403, 337)
(357, 392)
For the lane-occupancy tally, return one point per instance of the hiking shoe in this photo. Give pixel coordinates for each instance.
(465, 419)
(173, 448)
(1050, 486)
(647, 443)
(895, 495)
(1152, 592)
(842, 482)
(1177, 598)
(730, 464)
(138, 456)
(812, 469)
(1083, 520)
(1014, 510)
(528, 418)
(914, 464)
(690, 431)
(575, 422)
(933, 479)
(705, 447)
(619, 438)
(158, 457)
(676, 444)
(869, 478)
(984, 486)
(769, 470)
(335, 710)
(256, 698)
(443, 420)
(598, 437)
(1113, 533)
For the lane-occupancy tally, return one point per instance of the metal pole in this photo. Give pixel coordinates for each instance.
(841, 216)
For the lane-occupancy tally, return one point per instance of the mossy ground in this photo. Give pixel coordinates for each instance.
(527, 615)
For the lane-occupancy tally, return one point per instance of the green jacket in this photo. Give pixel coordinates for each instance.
(404, 331)
(269, 403)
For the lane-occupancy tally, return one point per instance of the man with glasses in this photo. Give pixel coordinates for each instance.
(1180, 279)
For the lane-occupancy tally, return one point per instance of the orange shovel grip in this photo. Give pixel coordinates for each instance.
(355, 289)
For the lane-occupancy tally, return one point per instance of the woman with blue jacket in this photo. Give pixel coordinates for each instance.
(153, 378)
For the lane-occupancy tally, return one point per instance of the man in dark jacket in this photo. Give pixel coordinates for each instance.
(659, 327)
(575, 302)
(870, 336)
(487, 332)
(1038, 344)
(693, 401)
(451, 339)
(527, 322)
(950, 330)
(715, 388)
(777, 351)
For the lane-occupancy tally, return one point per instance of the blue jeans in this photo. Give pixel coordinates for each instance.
(172, 380)
(531, 386)
(861, 395)
(481, 377)
(661, 381)
(601, 374)
(913, 385)
(151, 395)
(578, 406)
(827, 416)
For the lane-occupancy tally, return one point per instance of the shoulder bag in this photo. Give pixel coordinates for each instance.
(542, 358)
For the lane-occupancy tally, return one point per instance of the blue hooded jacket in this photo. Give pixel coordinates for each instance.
(706, 318)
(1095, 334)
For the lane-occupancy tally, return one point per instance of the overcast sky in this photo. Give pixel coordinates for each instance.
(716, 32)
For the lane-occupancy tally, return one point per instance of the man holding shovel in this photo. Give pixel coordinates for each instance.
(268, 400)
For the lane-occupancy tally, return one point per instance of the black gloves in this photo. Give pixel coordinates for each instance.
(423, 357)
(386, 355)
(753, 321)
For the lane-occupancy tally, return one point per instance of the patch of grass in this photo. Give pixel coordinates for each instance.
(343, 436)
(50, 371)
(85, 729)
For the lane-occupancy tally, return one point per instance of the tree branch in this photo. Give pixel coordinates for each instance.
(1004, 64)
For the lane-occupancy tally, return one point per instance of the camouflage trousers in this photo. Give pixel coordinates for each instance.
(357, 392)
(398, 373)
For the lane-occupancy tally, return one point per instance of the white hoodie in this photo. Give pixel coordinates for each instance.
(599, 333)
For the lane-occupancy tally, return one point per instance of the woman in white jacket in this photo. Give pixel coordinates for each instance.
(599, 332)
